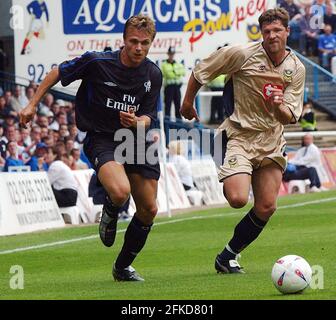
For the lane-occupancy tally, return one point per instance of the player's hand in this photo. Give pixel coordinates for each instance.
(189, 112)
(26, 115)
(128, 119)
(276, 97)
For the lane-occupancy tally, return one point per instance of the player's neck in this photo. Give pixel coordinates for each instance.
(126, 61)
(277, 58)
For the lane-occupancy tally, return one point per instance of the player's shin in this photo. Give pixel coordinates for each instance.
(134, 240)
(246, 231)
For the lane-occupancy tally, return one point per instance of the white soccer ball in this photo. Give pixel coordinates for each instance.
(291, 274)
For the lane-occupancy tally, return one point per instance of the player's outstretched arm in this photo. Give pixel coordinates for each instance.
(187, 109)
(28, 113)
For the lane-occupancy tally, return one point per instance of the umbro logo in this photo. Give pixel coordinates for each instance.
(110, 84)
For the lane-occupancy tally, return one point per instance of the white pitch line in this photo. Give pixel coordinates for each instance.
(220, 215)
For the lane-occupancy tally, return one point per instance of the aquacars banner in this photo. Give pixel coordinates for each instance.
(56, 30)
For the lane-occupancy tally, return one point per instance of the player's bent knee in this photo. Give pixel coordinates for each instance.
(237, 201)
(266, 209)
(120, 196)
(147, 213)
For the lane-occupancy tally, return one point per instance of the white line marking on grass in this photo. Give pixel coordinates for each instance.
(219, 215)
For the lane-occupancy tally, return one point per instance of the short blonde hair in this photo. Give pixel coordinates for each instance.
(176, 147)
(141, 22)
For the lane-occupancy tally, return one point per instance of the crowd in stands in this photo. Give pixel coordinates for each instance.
(313, 28)
(53, 129)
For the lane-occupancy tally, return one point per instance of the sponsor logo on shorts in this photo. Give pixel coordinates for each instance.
(96, 161)
(233, 162)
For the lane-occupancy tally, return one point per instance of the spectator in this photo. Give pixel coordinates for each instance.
(69, 144)
(44, 132)
(330, 18)
(182, 165)
(63, 132)
(319, 6)
(42, 120)
(327, 47)
(79, 163)
(294, 16)
(331, 3)
(308, 118)
(10, 133)
(61, 118)
(55, 108)
(61, 179)
(3, 148)
(47, 102)
(309, 34)
(309, 156)
(29, 93)
(35, 135)
(12, 160)
(294, 172)
(9, 120)
(49, 140)
(37, 162)
(173, 73)
(18, 101)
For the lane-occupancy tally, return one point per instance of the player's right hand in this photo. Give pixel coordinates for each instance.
(189, 112)
(26, 115)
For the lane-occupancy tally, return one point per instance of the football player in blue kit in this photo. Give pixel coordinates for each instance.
(119, 90)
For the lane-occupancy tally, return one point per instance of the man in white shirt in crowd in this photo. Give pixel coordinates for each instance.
(61, 179)
(183, 168)
(309, 155)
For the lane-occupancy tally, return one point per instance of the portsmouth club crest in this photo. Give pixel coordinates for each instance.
(233, 162)
(288, 75)
(253, 32)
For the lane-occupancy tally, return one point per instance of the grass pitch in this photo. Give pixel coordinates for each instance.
(178, 260)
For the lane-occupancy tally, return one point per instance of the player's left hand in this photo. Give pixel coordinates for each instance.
(127, 119)
(276, 97)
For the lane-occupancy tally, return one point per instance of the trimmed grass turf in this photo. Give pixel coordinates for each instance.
(178, 259)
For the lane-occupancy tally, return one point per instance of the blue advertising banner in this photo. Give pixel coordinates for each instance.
(109, 16)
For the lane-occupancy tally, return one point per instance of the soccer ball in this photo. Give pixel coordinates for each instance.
(291, 274)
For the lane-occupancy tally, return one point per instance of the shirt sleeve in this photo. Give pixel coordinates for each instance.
(293, 95)
(226, 60)
(75, 69)
(149, 105)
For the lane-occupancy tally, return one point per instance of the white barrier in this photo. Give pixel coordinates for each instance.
(84, 202)
(206, 180)
(177, 196)
(27, 203)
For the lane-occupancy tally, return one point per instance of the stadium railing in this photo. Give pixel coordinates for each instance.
(320, 86)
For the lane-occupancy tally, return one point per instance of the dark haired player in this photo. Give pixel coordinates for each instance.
(263, 92)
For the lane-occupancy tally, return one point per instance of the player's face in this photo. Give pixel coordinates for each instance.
(275, 37)
(137, 45)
